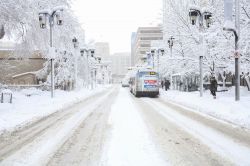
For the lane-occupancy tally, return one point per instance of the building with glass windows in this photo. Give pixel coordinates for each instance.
(141, 42)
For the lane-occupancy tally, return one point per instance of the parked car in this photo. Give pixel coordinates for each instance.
(125, 83)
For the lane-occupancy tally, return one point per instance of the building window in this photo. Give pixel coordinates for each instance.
(145, 45)
(150, 31)
(151, 38)
(142, 52)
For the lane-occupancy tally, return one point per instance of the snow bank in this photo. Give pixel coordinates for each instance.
(224, 107)
(32, 104)
(6, 91)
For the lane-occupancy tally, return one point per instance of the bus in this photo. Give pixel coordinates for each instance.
(144, 83)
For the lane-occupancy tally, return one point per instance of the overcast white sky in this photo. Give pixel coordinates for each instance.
(113, 20)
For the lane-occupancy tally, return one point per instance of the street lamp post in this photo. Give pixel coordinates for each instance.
(43, 17)
(75, 43)
(236, 32)
(90, 56)
(171, 44)
(87, 53)
(159, 51)
(153, 56)
(237, 54)
(194, 12)
(83, 51)
(92, 53)
(99, 59)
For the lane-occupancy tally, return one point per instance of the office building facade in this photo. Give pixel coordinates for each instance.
(120, 62)
(102, 49)
(141, 43)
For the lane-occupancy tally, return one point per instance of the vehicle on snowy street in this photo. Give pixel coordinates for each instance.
(144, 83)
(125, 82)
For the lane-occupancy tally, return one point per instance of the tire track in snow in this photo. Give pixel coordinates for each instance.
(130, 143)
(42, 146)
(221, 144)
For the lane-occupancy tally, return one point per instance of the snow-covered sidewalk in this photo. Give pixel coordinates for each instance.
(26, 109)
(224, 107)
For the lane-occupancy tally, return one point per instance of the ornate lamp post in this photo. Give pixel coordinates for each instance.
(75, 43)
(90, 56)
(228, 4)
(202, 15)
(56, 15)
(153, 56)
(171, 44)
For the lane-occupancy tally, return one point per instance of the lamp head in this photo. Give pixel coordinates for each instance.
(193, 14)
(82, 51)
(152, 51)
(99, 59)
(92, 52)
(208, 18)
(74, 40)
(42, 20)
(162, 51)
(59, 17)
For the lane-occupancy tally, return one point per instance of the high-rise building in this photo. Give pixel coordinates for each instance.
(141, 43)
(120, 62)
(133, 37)
(102, 49)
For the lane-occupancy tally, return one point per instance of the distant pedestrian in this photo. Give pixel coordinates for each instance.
(167, 84)
(213, 86)
(162, 84)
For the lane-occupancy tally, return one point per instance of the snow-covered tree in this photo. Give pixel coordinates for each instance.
(19, 20)
(219, 44)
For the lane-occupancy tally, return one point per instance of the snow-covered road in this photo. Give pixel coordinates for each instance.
(38, 143)
(129, 143)
(117, 129)
(188, 138)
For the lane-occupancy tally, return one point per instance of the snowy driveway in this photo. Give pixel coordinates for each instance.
(117, 129)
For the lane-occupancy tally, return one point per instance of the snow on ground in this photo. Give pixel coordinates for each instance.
(31, 104)
(224, 107)
(218, 142)
(50, 141)
(130, 143)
